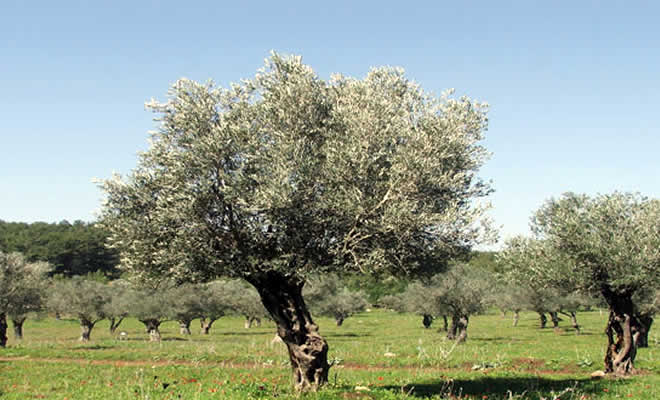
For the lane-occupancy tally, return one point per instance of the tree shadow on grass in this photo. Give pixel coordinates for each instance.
(85, 347)
(505, 387)
(349, 335)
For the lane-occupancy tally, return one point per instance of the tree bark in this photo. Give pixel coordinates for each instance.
(462, 328)
(621, 348)
(543, 319)
(152, 329)
(184, 327)
(445, 323)
(641, 336)
(86, 327)
(574, 322)
(206, 325)
(516, 317)
(453, 328)
(18, 326)
(555, 320)
(114, 324)
(339, 319)
(427, 320)
(3, 329)
(308, 350)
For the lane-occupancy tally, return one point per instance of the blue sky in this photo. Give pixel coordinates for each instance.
(573, 86)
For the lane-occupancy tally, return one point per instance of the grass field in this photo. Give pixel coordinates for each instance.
(498, 362)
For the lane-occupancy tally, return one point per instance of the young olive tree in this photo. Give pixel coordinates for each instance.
(85, 299)
(22, 290)
(286, 175)
(328, 296)
(614, 243)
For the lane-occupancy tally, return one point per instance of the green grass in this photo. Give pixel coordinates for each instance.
(498, 362)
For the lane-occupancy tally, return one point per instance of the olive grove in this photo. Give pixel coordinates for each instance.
(286, 175)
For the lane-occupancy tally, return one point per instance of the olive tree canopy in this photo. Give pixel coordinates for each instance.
(285, 175)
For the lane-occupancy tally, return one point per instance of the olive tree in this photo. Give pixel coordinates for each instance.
(244, 300)
(286, 175)
(151, 305)
(215, 303)
(463, 291)
(85, 299)
(328, 296)
(119, 305)
(417, 299)
(22, 290)
(613, 241)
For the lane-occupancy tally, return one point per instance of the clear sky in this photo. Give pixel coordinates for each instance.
(574, 86)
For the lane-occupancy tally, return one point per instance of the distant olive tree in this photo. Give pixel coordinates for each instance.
(417, 299)
(120, 302)
(151, 306)
(463, 291)
(22, 290)
(244, 300)
(82, 298)
(216, 302)
(186, 302)
(328, 296)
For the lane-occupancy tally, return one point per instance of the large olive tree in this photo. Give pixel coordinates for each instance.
(286, 175)
(613, 241)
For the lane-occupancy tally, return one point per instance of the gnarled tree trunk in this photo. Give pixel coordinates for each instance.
(516, 317)
(18, 326)
(554, 317)
(574, 323)
(339, 319)
(462, 326)
(86, 327)
(152, 326)
(114, 324)
(205, 324)
(308, 350)
(3, 329)
(621, 348)
(453, 328)
(427, 320)
(445, 323)
(184, 327)
(250, 321)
